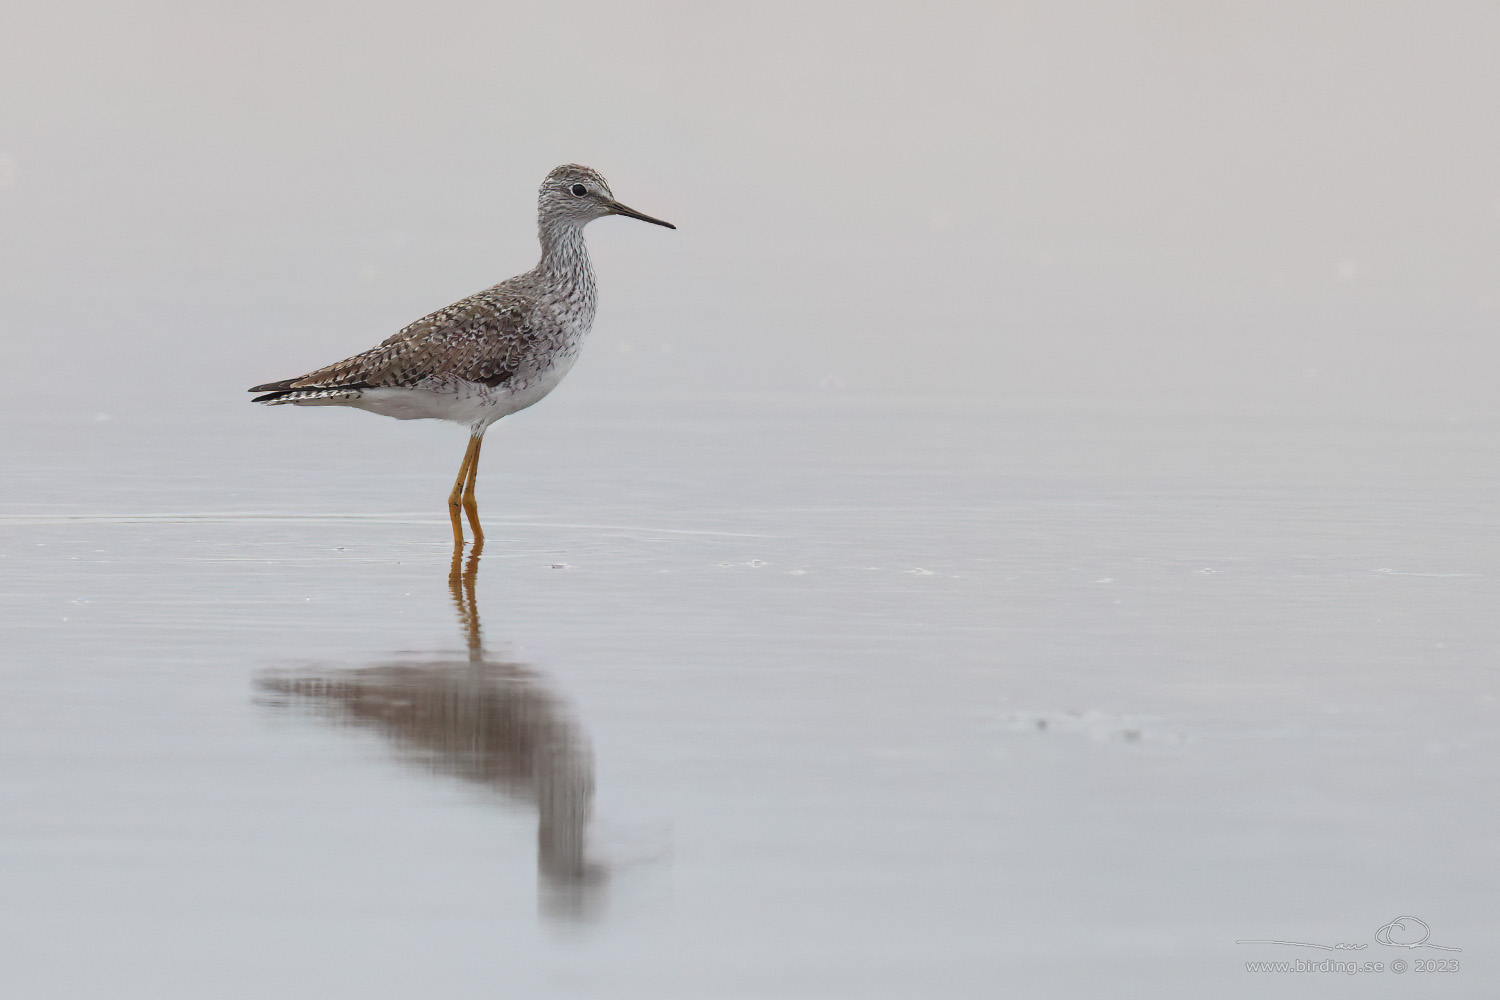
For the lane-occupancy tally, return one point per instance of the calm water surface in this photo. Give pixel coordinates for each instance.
(808, 696)
(1033, 527)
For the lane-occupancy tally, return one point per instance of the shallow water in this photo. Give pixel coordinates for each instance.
(807, 696)
(1032, 528)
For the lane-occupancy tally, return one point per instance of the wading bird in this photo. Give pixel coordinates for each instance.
(486, 356)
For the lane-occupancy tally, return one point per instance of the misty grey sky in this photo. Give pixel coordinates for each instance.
(1252, 204)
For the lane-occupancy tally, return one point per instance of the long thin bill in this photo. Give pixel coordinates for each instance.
(619, 209)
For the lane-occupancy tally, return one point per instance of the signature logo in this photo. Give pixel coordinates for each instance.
(1403, 932)
(1408, 932)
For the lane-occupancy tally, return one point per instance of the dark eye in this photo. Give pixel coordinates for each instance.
(579, 190)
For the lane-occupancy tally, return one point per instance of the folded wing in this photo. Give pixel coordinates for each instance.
(486, 339)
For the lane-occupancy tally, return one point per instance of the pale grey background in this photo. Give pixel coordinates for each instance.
(1123, 366)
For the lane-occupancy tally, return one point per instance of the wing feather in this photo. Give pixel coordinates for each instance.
(485, 338)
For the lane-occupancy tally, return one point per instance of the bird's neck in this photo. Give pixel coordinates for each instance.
(565, 257)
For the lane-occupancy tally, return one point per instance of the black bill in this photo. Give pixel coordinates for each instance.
(618, 209)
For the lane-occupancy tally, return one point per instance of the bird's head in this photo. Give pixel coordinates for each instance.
(577, 195)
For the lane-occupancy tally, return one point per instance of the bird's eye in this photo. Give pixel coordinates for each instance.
(579, 190)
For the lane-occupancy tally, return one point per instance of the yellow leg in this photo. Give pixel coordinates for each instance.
(456, 497)
(471, 503)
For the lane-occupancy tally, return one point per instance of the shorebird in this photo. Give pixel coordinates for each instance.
(486, 356)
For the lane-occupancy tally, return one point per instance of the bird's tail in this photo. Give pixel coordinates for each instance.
(310, 397)
(277, 393)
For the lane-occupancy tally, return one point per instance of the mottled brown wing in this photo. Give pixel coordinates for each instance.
(483, 338)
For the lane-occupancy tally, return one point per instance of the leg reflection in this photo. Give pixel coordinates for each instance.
(485, 720)
(461, 579)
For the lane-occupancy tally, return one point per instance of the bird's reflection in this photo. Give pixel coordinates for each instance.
(482, 719)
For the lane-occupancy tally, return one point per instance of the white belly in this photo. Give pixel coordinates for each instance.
(460, 401)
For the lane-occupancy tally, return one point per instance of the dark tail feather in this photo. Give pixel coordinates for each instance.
(289, 387)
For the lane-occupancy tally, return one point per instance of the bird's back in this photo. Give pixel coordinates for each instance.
(490, 338)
